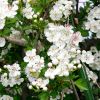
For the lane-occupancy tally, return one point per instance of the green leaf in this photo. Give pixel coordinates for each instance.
(54, 93)
(81, 84)
(17, 97)
(84, 33)
(44, 96)
(1, 87)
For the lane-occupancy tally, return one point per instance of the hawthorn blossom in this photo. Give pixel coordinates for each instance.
(2, 42)
(30, 55)
(2, 23)
(87, 57)
(27, 11)
(13, 77)
(6, 97)
(35, 64)
(96, 64)
(93, 21)
(76, 38)
(60, 9)
(7, 10)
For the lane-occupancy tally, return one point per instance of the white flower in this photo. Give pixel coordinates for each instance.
(42, 83)
(3, 8)
(76, 38)
(55, 14)
(12, 10)
(2, 23)
(87, 57)
(2, 42)
(62, 70)
(14, 70)
(4, 80)
(58, 34)
(6, 97)
(27, 11)
(30, 55)
(96, 64)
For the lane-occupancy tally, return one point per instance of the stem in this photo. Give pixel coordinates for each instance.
(77, 2)
(62, 95)
(75, 91)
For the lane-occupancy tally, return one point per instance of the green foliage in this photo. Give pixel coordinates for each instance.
(44, 96)
(81, 84)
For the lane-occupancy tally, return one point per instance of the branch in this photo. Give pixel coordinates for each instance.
(62, 95)
(21, 42)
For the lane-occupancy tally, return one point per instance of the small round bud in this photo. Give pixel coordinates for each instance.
(78, 61)
(38, 13)
(78, 51)
(74, 62)
(5, 74)
(41, 19)
(0, 69)
(45, 88)
(79, 66)
(5, 66)
(49, 64)
(35, 20)
(30, 87)
(52, 77)
(83, 51)
(55, 61)
(73, 50)
(70, 65)
(33, 83)
(42, 61)
(35, 16)
(74, 67)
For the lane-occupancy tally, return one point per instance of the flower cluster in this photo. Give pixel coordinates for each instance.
(7, 10)
(33, 68)
(6, 97)
(59, 60)
(64, 52)
(93, 21)
(13, 77)
(60, 9)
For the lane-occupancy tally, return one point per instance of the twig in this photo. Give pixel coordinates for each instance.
(62, 95)
(77, 5)
(75, 91)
